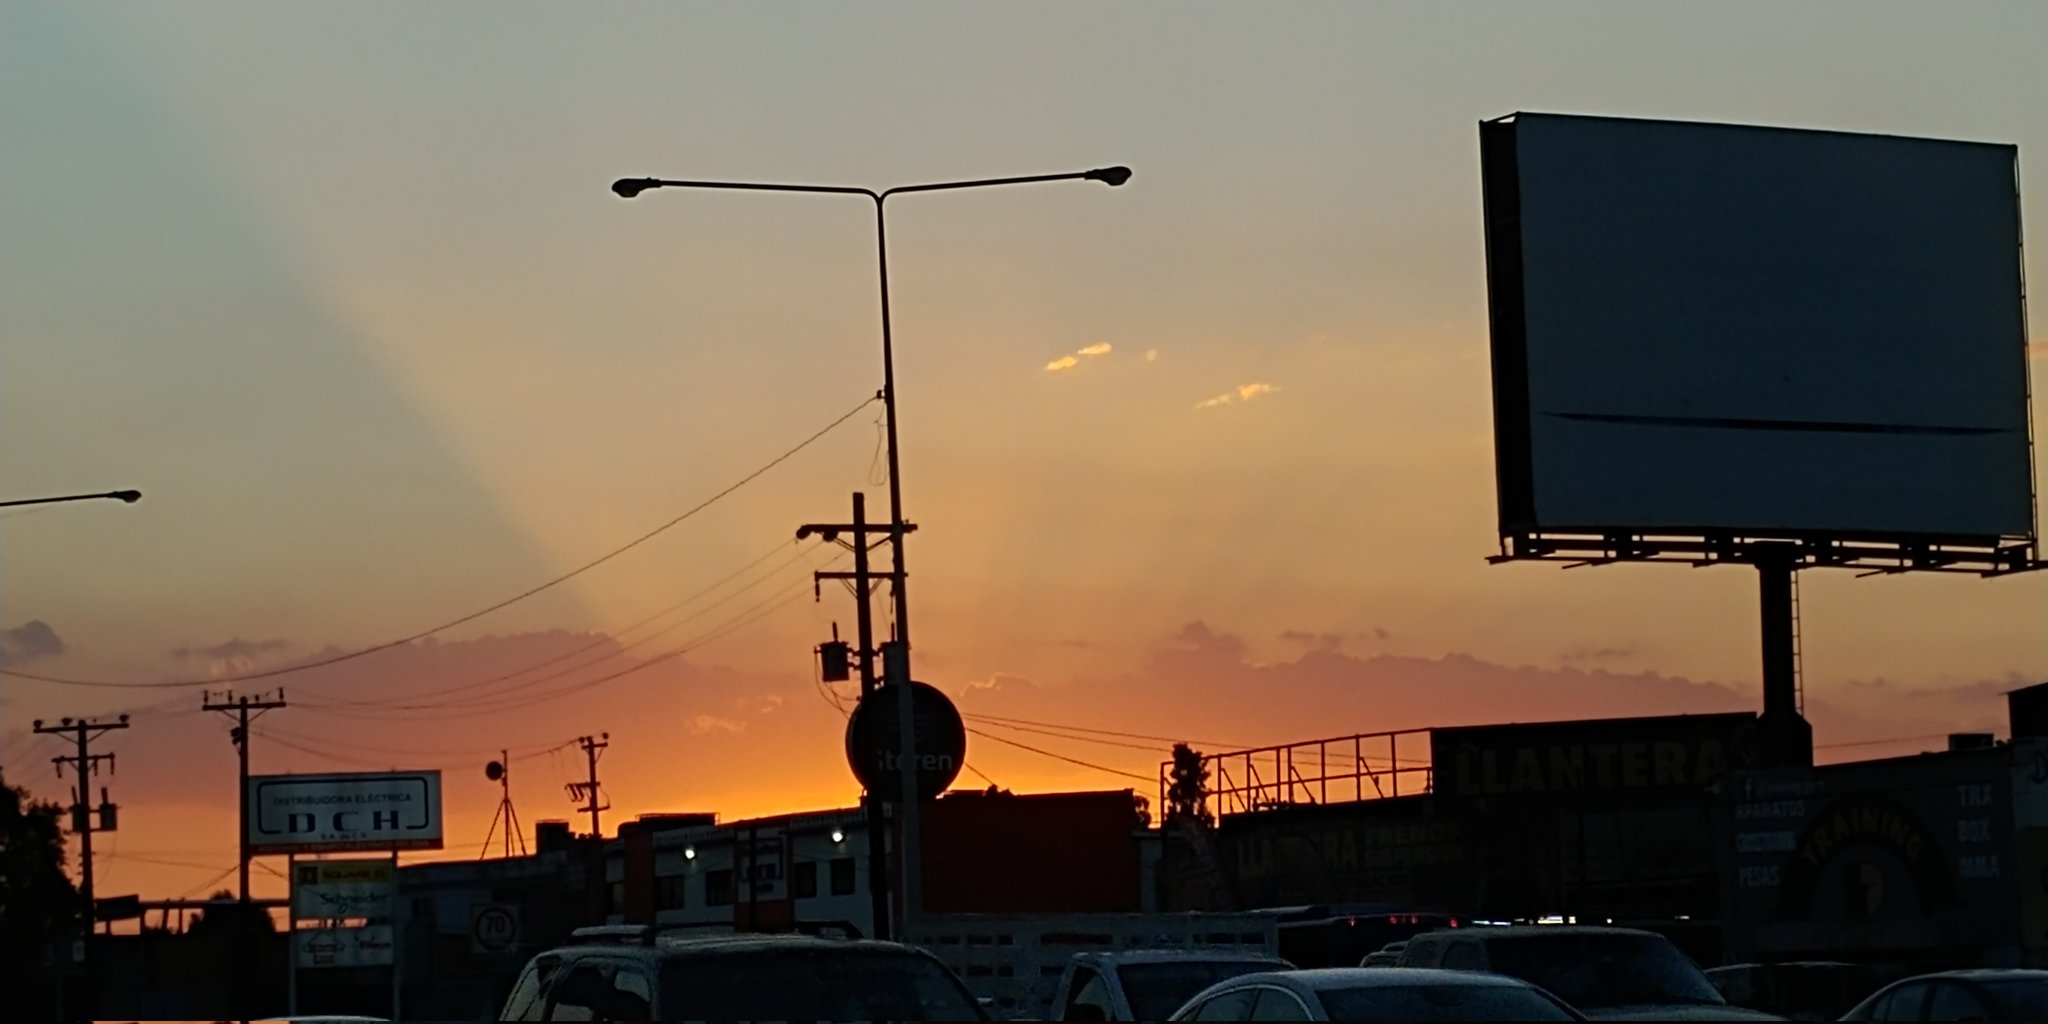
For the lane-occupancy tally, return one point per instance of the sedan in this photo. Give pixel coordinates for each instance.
(1960, 995)
(1374, 994)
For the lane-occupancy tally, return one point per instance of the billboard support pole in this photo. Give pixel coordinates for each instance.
(291, 925)
(397, 945)
(1786, 738)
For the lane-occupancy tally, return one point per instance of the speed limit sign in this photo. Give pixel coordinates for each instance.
(494, 928)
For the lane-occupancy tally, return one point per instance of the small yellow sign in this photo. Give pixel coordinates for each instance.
(347, 872)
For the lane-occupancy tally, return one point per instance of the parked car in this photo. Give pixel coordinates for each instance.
(1797, 989)
(1604, 973)
(1992, 994)
(631, 973)
(1375, 994)
(1386, 956)
(1147, 984)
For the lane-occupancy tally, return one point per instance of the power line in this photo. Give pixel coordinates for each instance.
(1107, 732)
(1063, 757)
(609, 640)
(387, 712)
(452, 623)
(1125, 744)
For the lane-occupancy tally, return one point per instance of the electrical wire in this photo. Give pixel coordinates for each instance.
(1063, 757)
(1107, 732)
(477, 709)
(609, 640)
(472, 616)
(1125, 744)
(611, 637)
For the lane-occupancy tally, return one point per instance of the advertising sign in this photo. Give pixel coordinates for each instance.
(1393, 850)
(344, 811)
(1902, 854)
(1701, 329)
(331, 890)
(1554, 759)
(369, 946)
(873, 738)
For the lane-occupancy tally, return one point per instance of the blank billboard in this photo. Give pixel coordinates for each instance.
(1704, 328)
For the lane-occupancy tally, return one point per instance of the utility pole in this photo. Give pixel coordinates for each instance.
(82, 731)
(244, 709)
(861, 581)
(587, 792)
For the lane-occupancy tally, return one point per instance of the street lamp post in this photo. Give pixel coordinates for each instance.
(628, 188)
(128, 497)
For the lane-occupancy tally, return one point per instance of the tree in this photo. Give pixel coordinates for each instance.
(1141, 808)
(1187, 788)
(38, 904)
(225, 914)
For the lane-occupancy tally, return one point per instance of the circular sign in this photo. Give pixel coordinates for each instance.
(495, 928)
(873, 739)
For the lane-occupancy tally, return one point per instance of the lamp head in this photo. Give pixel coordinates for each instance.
(627, 188)
(131, 497)
(1111, 176)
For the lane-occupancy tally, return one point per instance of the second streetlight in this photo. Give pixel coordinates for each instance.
(628, 188)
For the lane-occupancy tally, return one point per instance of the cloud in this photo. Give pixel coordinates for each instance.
(233, 649)
(699, 725)
(1068, 362)
(1001, 682)
(1244, 393)
(1585, 654)
(27, 642)
(2037, 350)
(1151, 355)
(1329, 641)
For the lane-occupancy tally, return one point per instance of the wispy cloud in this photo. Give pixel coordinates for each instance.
(1151, 355)
(1244, 393)
(2037, 350)
(1068, 362)
(702, 724)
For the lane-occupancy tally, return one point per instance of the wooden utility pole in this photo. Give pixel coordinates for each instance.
(82, 731)
(861, 581)
(243, 709)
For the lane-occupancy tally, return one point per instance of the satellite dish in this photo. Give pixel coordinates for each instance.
(494, 771)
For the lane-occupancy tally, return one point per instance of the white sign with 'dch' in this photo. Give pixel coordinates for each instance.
(345, 811)
(346, 947)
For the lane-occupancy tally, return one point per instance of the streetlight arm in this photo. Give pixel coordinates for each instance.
(130, 497)
(627, 188)
(1111, 176)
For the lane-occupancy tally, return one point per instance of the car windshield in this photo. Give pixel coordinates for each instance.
(814, 985)
(1440, 1002)
(1156, 990)
(2020, 998)
(1595, 970)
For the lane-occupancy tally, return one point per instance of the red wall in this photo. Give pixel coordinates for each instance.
(1030, 853)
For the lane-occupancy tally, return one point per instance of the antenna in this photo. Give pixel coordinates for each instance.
(500, 772)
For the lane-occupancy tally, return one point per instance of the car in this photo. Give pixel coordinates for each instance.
(1798, 989)
(1374, 994)
(1987, 994)
(635, 973)
(1146, 984)
(1386, 956)
(1605, 973)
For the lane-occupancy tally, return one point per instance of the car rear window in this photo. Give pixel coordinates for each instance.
(813, 985)
(1156, 990)
(1603, 970)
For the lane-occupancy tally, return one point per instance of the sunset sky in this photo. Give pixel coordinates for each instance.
(342, 289)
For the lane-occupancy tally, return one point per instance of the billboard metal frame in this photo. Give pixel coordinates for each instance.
(1874, 556)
